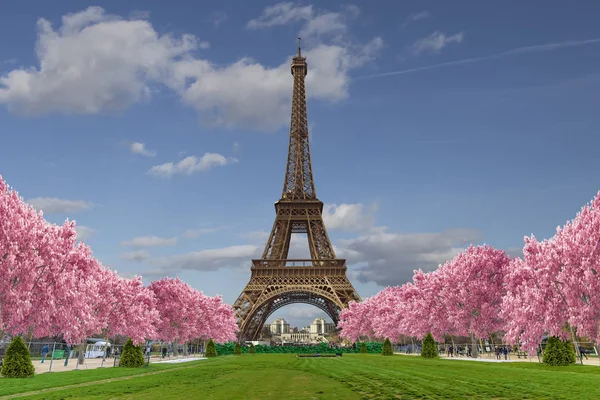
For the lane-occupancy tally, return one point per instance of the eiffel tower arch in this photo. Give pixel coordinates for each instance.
(277, 281)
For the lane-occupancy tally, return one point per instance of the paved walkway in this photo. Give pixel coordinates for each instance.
(179, 360)
(93, 363)
(513, 358)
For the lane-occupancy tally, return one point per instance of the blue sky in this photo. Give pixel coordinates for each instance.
(162, 128)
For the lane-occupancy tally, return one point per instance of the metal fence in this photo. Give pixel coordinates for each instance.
(50, 356)
(584, 351)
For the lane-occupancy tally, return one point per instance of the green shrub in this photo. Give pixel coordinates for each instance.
(387, 348)
(237, 350)
(211, 351)
(321, 348)
(17, 362)
(252, 350)
(363, 348)
(429, 350)
(569, 352)
(558, 353)
(132, 356)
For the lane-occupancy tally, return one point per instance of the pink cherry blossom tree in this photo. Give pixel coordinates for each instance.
(554, 289)
(33, 266)
(471, 291)
(356, 320)
(176, 304)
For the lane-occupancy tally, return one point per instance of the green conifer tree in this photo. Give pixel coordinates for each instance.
(558, 353)
(211, 351)
(237, 350)
(132, 356)
(17, 362)
(387, 348)
(252, 349)
(429, 350)
(363, 348)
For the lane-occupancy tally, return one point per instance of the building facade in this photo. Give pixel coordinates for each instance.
(316, 332)
(279, 327)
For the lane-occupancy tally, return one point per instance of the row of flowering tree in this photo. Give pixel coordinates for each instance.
(50, 285)
(553, 290)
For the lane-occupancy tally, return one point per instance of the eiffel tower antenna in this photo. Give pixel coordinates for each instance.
(276, 280)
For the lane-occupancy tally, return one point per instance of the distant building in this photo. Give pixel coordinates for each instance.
(279, 327)
(320, 327)
(316, 332)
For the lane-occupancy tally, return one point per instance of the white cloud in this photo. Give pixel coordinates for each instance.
(51, 205)
(196, 233)
(218, 17)
(140, 148)
(348, 217)
(206, 260)
(435, 42)
(420, 15)
(84, 232)
(150, 241)
(392, 257)
(315, 24)
(515, 252)
(95, 62)
(281, 14)
(190, 165)
(509, 53)
(136, 255)
(415, 17)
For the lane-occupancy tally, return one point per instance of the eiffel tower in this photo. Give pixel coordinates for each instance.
(277, 281)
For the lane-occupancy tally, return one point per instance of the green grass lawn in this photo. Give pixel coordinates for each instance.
(274, 376)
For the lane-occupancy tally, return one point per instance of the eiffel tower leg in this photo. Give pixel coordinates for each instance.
(279, 240)
(321, 243)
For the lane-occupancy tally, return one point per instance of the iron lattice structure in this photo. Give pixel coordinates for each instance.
(277, 281)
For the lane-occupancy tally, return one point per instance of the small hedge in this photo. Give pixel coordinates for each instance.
(211, 351)
(387, 348)
(252, 350)
(363, 348)
(132, 356)
(429, 350)
(237, 350)
(558, 353)
(322, 348)
(17, 362)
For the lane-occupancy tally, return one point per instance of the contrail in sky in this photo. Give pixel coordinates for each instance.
(512, 52)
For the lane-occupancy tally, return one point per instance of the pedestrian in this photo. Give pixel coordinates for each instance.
(45, 351)
(107, 351)
(505, 352)
(583, 353)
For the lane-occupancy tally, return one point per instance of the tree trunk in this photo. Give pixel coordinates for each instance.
(81, 358)
(104, 349)
(475, 349)
(185, 349)
(575, 346)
